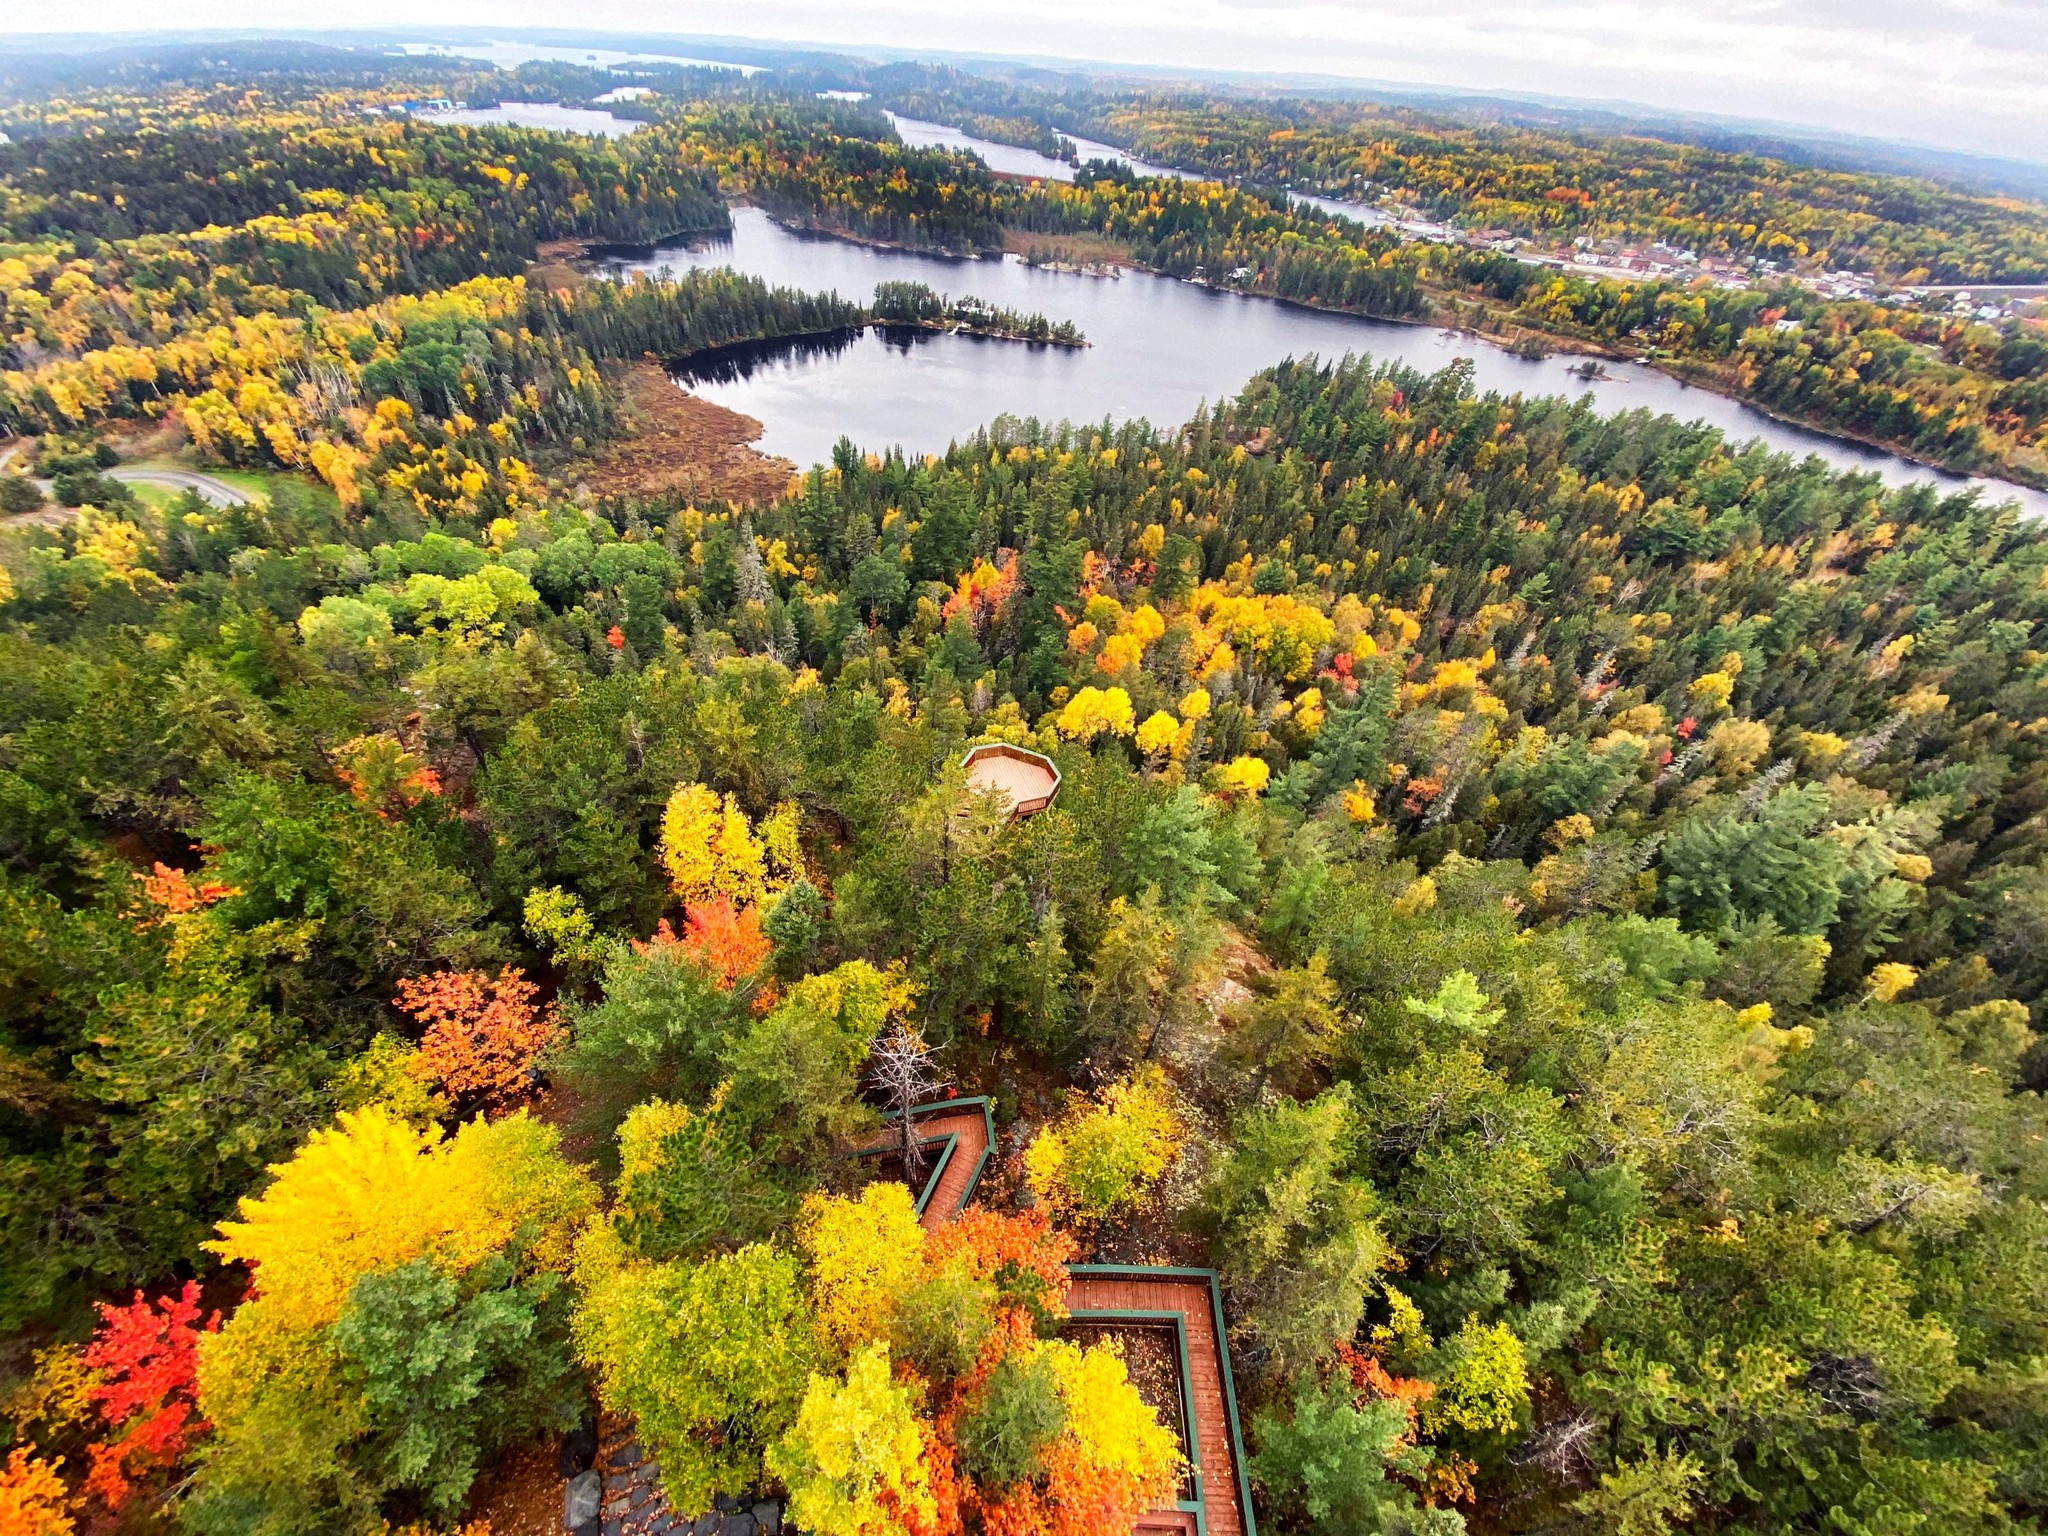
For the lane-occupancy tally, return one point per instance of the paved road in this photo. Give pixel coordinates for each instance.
(216, 492)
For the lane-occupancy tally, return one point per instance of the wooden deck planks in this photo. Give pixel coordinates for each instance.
(1206, 1364)
(956, 1183)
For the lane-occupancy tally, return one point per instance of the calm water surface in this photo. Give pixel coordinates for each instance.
(541, 114)
(1161, 348)
(1012, 161)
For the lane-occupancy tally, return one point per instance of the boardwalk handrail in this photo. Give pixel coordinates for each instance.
(1192, 1424)
(1213, 1282)
(951, 1140)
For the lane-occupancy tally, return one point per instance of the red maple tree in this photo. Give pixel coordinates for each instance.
(148, 1356)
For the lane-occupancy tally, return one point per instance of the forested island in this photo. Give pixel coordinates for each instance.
(1546, 906)
(1946, 387)
(915, 304)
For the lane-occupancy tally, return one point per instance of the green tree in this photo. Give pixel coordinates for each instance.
(711, 1357)
(1324, 1465)
(1017, 1414)
(451, 1371)
(1295, 1235)
(1288, 1029)
(659, 1031)
(1723, 865)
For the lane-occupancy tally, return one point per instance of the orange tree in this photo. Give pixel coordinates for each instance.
(483, 1035)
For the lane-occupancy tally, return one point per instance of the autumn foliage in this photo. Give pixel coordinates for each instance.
(725, 940)
(382, 774)
(1103, 1457)
(146, 1355)
(710, 848)
(483, 1035)
(1021, 1255)
(1110, 1461)
(722, 940)
(173, 893)
(33, 1499)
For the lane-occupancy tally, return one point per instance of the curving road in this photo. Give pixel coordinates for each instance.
(215, 492)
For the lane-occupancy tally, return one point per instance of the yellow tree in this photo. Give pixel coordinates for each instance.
(854, 1461)
(1092, 711)
(1115, 1460)
(709, 848)
(1105, 1153)
(862, 1254)
(374, 1191)
(366, 1243)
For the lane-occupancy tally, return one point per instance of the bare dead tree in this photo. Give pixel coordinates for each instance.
(1561, 1446)
(902, 1069)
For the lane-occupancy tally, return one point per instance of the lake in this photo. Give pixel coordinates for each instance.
(1008, 160)
(540, 114)
(1160, 349)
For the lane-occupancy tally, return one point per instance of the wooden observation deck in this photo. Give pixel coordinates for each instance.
(1029, 780)
(959, 1135)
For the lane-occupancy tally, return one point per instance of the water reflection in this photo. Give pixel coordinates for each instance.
(1160, 349)
(741, 361)
(1009, 160)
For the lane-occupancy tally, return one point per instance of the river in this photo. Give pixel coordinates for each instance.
(1009, 160)
(1160, 349)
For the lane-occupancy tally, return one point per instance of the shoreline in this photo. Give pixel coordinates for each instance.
(595, 252)
(1704, 379)
(941, 328)
(1577, 346)
(2006, 474)
(682, 442)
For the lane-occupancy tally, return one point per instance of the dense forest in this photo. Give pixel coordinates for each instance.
(120, 247)
(1549, 906)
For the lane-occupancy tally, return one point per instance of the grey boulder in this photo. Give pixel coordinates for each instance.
(581, 1498)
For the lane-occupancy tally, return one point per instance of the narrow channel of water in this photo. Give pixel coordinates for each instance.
(1160, 349)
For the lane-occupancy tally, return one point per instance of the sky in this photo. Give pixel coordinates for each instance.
(1964, 74)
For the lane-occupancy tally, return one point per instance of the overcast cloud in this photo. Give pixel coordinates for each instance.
(1970, 74)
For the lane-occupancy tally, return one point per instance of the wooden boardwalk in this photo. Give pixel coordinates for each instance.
(957, 1133)
(1186, 1297)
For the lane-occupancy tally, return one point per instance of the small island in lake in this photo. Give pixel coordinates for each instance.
(916, 304)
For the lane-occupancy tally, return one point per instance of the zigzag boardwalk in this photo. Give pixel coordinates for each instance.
(960, 1134)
